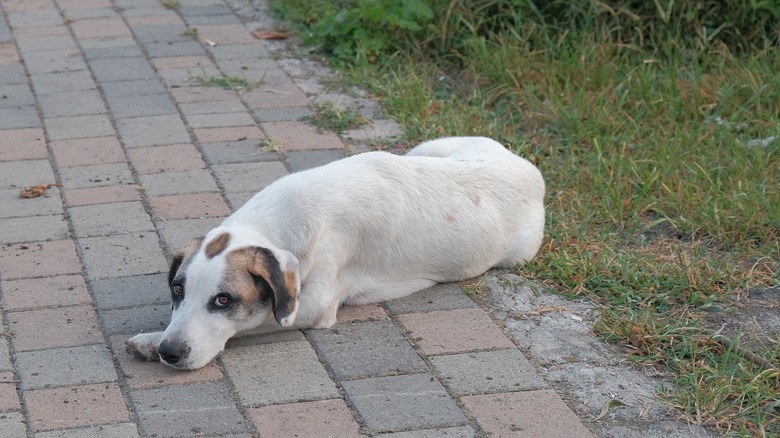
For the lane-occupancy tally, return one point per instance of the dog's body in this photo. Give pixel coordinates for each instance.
(367, 228)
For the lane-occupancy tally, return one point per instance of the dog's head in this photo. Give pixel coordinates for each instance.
(221, 285)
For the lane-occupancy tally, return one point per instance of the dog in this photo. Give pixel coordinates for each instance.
(367, 228)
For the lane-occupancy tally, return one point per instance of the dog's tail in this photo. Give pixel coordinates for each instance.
(454, 147)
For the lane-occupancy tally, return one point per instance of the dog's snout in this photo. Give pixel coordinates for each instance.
(172, 353)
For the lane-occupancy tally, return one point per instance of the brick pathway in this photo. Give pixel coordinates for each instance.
(98, 96)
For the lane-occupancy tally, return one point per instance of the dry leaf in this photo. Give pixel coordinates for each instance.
(34, 192)
(605, 408)
(269, 35)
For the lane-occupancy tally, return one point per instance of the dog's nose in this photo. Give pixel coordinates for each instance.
(170, 353)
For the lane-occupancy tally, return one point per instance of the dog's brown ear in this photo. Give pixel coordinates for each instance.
(180, 256)
(281, 274)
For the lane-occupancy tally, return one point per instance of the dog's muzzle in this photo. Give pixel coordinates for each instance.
(173, 352)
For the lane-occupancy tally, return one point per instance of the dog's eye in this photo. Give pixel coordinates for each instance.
(221, 300)
(178, 289)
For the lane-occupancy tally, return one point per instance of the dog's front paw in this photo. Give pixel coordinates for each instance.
(144, 346)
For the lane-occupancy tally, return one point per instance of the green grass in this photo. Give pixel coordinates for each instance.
(225, 82)
(657, 208)
(173, 5)
(329, 116)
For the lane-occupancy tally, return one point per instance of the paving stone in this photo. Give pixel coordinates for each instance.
(76, 5)
(399, 403)
(103, 27)
(379, 129)
(62, 128)
(75, 406)
(237, 199)
(71, 103)
(12, 425)
(217, 107)
(174, 411)
(214, 135)
(152, 131)
(64, 81)
(87, 151)
(138, 319)
(366, 349)
(272, 96)
(12, 74)
(200, 94)
(132, 88)
(131, 291)
(108, 219)
(368, 312)
(186, 77)
(447, 432)
(171, 183)
(60, 290)
(12, 205)
(102, 195)
(53, 61)
(487, 371)
(98, 175)
(140, 106)
(19, 117)
(33, 229)
(182, 48)
(35, 18)
(198, 205)
(9, 399)
(247, 340)
(243, 177)
(43, 43)
(328, 418)
(219, 120)
(137, 253)
(15, 95)
(205, 8)
(35, 32)
(443, 296)
(525, 414)
(20, 174)
(239, 151)
(297, 373)
(38, 259)
(300, 136)
(282, 114)
(176, 233)
(5, 353)
(173, 158)
(120, 69)
(454, 331)
(197, 20)
(65, 366)
(302, 160)
(140, 374)
(121, 430)
(112, 49)
(164, 33)
(65, 327)
(239, 51)
(178, 62)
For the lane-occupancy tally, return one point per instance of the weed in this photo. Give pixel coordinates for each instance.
(173, 5)
(191, 32)
(329, 116)
(227, 82)
(270, 145)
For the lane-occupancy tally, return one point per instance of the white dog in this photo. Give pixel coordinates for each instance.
(367, 228)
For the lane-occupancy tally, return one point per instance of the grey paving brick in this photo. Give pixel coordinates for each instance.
(64, 81)
(12, 205)
(15, 95)
(119, 256)
(12, 425)
(33, 229)
(153, 131)
(132, 88)
(278, 373)
(121, 430)
(136, 290)
(161, 34)
(184, 48)
(140, 106)
(63, 128)
(447, 432)
(52, 61)
(236, 199)
(249, 340)
(137, 319)
(12, 74)
(239, 51)
(120, 69)
(82, 14)
(201, 409)
(71, 103)
(96, 176)
(399, 403)
(445, 296)
(35, 18)
(302, 160)
(176, 233)
(366, 349)
(220, 120)
(377, 129)
(172, 183)
(5, 353)
(219, 107)
(240, 151)
(19, 174)
(207, 9)
(487, 371)
(38, 44)
(248, 177)
(282, 114)
(5, 31)
(65, 366)
(185, 77)
(107, 219)
(19, 117)
(123, 48)
(199, 20)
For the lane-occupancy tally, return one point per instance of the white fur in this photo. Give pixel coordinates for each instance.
(369, 228)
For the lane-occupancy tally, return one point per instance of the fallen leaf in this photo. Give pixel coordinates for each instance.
(34, 192)
(605, 408)
(269, 35)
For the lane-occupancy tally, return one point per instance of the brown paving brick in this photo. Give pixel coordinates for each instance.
(9, 400)
(369, 312)
(189, 206)
(175, 62)
(39, 259)
(300, 136)
(173, 158)
(87, 151)
(527, 414)
(100, 28)
(329, 418)
(80, 5)
(157, 20)
(213, 135)
(225, 34)
(22, 144)
(74, 406)
(101, 195)
(454, 331)
(8, 54)
(26, 5)
(141, 374)
(275, 96)
(202, 94)
(57, 327)
(61, 290)
(33, 32)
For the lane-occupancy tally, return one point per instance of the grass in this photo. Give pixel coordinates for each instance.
(191, 32)
(658, 208)
(225, 82)
(330, 116)
(173, 5)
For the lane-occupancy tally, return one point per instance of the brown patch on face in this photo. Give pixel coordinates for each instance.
(291, 281)
(217, 245)
(183, 256)
(238, 277)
